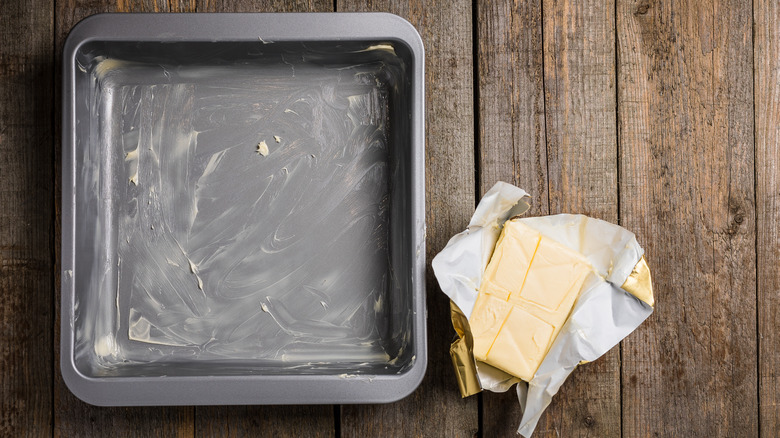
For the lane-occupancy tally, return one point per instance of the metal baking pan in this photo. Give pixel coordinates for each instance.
(243, 209)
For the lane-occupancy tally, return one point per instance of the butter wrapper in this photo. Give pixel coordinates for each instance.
(609, 307)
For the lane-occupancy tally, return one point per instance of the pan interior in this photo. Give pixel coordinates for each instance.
(242, 208)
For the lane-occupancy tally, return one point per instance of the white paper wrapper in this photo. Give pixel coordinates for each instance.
(603, 314)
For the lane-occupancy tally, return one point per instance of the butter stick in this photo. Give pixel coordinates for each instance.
(527, 292)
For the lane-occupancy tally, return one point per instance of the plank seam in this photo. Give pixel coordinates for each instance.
(756, 219)
(337, 417)
(477, 152)
(617, 119)
(476, 94)
(619, 180)
(544, 107)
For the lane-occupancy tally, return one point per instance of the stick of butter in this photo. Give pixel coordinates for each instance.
(527, 292)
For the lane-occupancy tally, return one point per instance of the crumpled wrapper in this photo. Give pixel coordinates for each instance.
(607, 310)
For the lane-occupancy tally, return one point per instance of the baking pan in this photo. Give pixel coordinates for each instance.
(243, 209)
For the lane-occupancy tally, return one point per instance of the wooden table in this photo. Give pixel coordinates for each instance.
(661, 116)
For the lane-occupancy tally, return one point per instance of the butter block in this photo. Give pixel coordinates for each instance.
(527, 292)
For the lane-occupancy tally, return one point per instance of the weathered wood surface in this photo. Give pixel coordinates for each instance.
(766, 58)
(635, 111)
(26, 218)
(685, 105)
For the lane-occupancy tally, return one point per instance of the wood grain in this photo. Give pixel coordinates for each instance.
(264, 5)
(25, 218)
(581, 132)
(681, 171)
(266, 421)
(512, 139)
(271, 421)
(436, 408)
(766, 56)
(72, 417)
(687, 190)
(579, 80)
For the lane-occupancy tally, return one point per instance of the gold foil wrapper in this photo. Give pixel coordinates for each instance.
(639, 283)
(462, 355)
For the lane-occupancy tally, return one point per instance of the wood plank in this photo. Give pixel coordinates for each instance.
(512, 144)
(268, 421)
(436, 408)
(579, 69)
(264, 5)
(687, 189)
(512, 139)
(73, 417)
(767, 118)
(276, 421)
(26, 281)
(580, 113)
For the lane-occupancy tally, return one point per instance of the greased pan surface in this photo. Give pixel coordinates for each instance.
(243, 212)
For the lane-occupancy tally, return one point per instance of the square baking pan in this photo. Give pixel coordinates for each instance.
(243, 209)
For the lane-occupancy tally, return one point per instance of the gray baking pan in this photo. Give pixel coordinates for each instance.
(243, 209)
